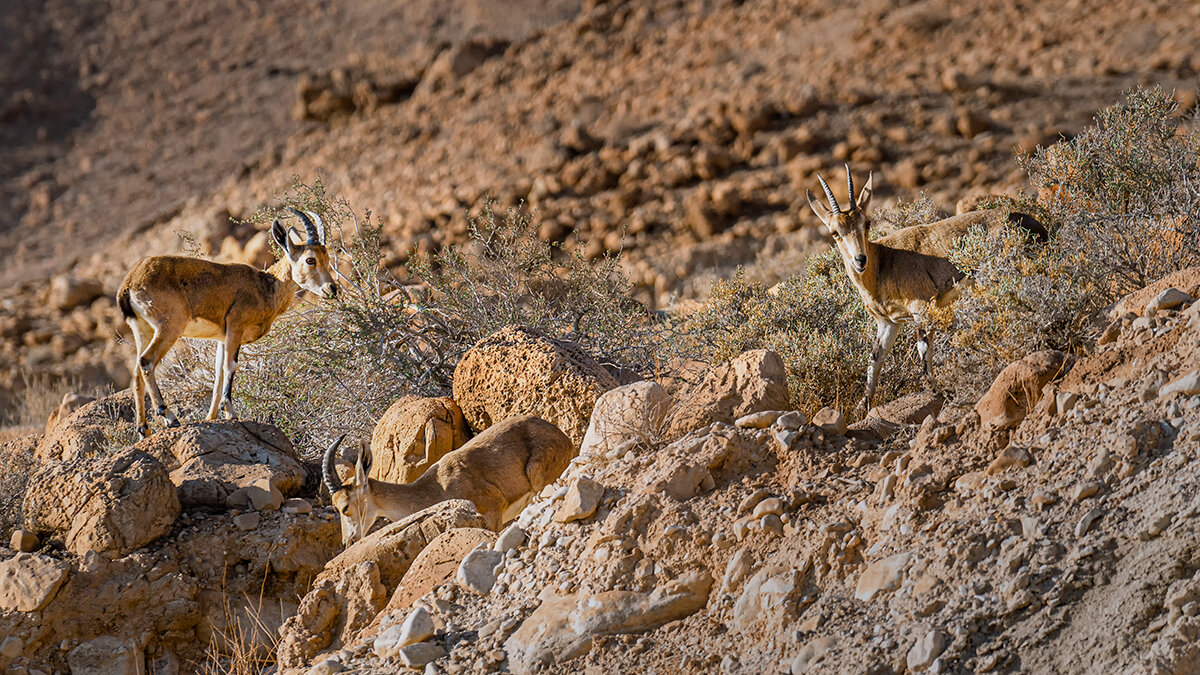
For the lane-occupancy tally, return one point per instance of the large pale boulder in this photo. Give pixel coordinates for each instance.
(352, 589)
(753, 382)
(435, 565)
(521, 371)
(634, 411)
(414, 433)
(112, 503)
(211, 460)
(1019, 387)
(28, 581)
(91, 429)
(564, 628)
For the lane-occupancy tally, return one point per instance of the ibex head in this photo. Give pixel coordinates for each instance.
(310, 262)
(353, 500)
(849, 227)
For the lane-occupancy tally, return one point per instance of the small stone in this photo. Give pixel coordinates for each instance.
(247, 521)
(264, 496)
(1170, 298)
(1157, 524)
(1085, 523)
(811, 654)
(418, 627)
(831, 420)
(1187, 385)
(784, 439)
(326, 667)
(792, 420)
(926, 650)
(510, 538)
(881, 576)
(1012, 457)
(758, 420)
(11, 648)
(772, 523)
(583, 496)
(416, 656)
(751, 501)
(29, 581)
(772, 505)
(477, 571)
(1065, 400)
(23, 541)
(1089, 489)
(1043, 499)
(296, 506)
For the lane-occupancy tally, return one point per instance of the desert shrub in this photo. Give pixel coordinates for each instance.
(1121, 201)
(333, 367)
(818, 325)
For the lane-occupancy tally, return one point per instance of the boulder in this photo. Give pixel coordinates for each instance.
(1019, 387)
(634, 411)
(91, 429)
(71, 402)
(106, 655)
(831, 420)
(112, 503)
(343, 600)
(68, 292)
(209, 461)
(29, 581)
(767, 599)
(582, 498)
(753, 382)
(413, 434)
(563, 628)
(435, 565)
(477, 572)
(881, 576)
(520, 371)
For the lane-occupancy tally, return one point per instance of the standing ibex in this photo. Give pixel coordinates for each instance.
(499, 471)
(164, 298)
(899, 275)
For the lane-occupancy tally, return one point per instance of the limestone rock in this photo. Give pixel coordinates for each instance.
(421, 653)
(1186, 281)
(326, 667)
(1184, 385)
(928, 648)
(881, 576)
(106, 655)
(1019, 387)
(435, 565)
(811, 654)
(247, 521)
(334, 612)
(23, 541)
(114, 503)
(831, 420)
(67, 292)
(758, 420)
(413, 434)
(520, 371)
(477, 571)
(1171, 298)
(629, 412)
(86, 431)
(583, 496)
(910, 409)
(210, 461)
(29, 581)
(418, 627)
(510, 538)
(766, 598)
(753, 382)
(563, 628)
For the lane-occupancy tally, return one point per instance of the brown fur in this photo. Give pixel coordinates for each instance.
(164, 298)
(496, 470)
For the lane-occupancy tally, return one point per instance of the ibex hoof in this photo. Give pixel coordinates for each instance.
(171, 423)
(143, 432)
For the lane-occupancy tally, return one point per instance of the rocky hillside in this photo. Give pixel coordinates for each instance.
(1050, 527)
(683, 133)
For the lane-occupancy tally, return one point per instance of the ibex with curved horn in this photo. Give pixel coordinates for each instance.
(899, 275)
(499, 471)
(164, 298)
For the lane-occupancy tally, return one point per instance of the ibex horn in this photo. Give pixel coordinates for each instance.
(314, 237)
(849, 186)
(833, 205)
(328, 471)
(320, 226)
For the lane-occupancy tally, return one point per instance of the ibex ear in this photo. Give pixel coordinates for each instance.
(363, 466)
(864, 197)
(283, 238)
(818, 208)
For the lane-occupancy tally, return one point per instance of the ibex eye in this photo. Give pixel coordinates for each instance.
(311, 261)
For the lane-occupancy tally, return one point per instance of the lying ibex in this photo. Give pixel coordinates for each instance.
(899, 275)
(499, 471)
(164, 298)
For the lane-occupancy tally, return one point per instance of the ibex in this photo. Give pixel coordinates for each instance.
(899, 275)
(164, 298)
(499, 471)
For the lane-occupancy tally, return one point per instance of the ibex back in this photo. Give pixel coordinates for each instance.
(164, 298)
